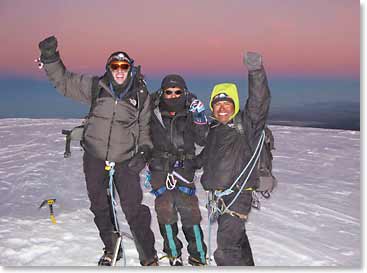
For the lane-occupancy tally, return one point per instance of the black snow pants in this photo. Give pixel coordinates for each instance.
(168, 206)
(138, 216)
(233, 246)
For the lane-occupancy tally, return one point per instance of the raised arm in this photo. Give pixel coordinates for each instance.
(73, 85)
(257, 106)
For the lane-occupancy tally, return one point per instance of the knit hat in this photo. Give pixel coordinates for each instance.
(221, 97)
(119, 56)
(173, 81)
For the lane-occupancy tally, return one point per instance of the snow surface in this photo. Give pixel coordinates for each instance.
(312, 219)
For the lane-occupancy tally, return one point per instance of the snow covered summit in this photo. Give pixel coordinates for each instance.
(312, 219)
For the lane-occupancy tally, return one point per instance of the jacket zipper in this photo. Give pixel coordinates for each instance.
(172, 122)
(136, 139)
(109, 135)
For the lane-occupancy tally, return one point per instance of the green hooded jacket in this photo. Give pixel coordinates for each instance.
(230, 89)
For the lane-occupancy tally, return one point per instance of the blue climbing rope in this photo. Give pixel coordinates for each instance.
(213, 210)
(257, 150)
(110, 167)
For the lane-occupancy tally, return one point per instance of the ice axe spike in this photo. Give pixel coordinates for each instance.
(50, 202)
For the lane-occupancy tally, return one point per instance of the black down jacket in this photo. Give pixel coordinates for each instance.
(228, 151)
(174, 139)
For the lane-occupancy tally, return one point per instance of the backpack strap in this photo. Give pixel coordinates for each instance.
(267, 181)
(142, 93)
(95, 93)
(141, 86)
(237, 121)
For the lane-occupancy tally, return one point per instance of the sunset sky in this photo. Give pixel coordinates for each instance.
(197, 37)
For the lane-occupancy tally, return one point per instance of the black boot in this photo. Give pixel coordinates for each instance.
(196, 245)
(107, 257)
(195, 262)
(175, 261)
(171, 244)
(153, 262)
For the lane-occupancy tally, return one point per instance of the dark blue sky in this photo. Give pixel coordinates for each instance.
(314, 102)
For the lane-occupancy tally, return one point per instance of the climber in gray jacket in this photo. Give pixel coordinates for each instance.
(117, 130)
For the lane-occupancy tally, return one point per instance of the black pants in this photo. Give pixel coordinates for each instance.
(233, 246)
(168, 206)
(138, 216)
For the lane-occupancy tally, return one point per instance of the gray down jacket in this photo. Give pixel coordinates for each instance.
(116, 127)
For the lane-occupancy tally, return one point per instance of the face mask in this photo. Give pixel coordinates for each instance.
(174, 105)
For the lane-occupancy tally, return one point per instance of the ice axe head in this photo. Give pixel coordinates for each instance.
(47, 201)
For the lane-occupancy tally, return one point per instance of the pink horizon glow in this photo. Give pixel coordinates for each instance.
(196, 37)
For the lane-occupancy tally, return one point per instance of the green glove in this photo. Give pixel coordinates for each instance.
(48, 50)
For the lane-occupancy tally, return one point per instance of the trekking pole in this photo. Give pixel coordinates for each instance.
(209, 230)
(110, 167)
(212, 216)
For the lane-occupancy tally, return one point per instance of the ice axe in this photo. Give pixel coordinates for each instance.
(50, 202)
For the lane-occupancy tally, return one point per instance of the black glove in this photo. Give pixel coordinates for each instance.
(146, 152)
(193, 163)
(48, 50)
(252, 60)
(137, 163)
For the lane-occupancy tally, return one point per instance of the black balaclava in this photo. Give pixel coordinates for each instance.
(176, 104)
(119, 56)
(173, 105)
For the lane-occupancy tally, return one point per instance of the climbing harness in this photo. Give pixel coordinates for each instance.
(216, 205)
(254, 159)
(183, 189)
(171, 183)
(110, 167)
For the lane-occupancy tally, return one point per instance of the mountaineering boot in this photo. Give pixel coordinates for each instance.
(107, 257)
(175, 261)
(195, 262)
(171, 244)
(196, 245)
(153, 262)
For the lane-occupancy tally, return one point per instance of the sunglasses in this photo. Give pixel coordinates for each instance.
(119, 65)
(169, 92)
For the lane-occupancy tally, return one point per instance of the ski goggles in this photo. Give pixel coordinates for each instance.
(115, 65)
(170, 92)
